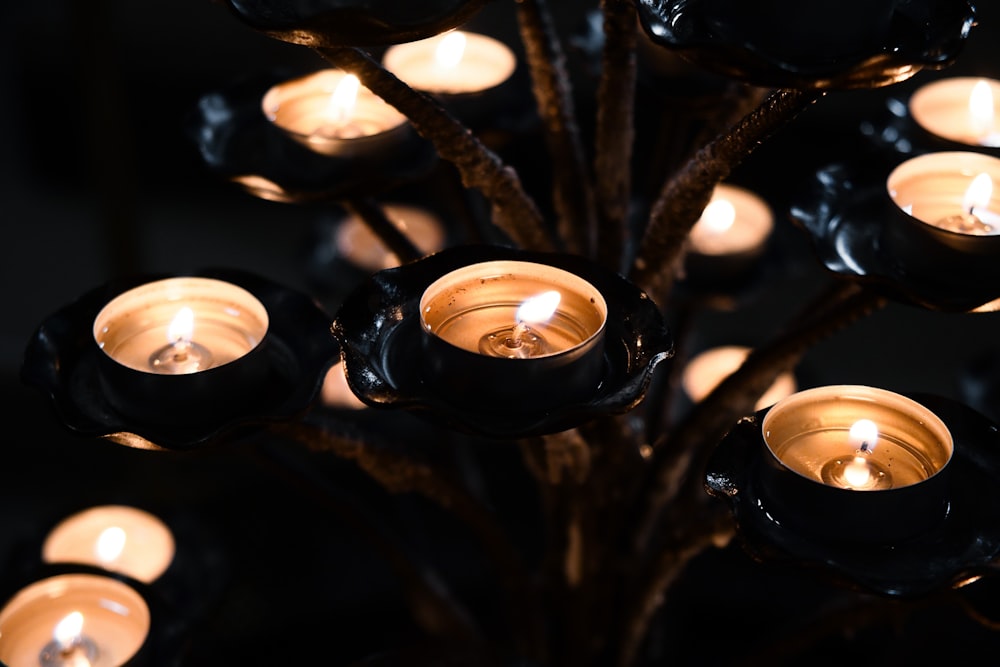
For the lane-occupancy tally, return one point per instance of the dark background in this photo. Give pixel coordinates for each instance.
(99, 180)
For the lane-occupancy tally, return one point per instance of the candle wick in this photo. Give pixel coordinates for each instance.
(864, 447)
(517, 334)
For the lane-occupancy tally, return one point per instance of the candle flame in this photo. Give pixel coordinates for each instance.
(450, 50)
(857, 473)
(978, 194)
(718, 216)
(342, 101)
(110, 544)
(863, 435)
(539, 308)
(981, 108)
(181, 327)
(67, 631)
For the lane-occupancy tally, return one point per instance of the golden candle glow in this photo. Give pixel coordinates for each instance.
(480, 307)
(735, 221)
(73, 620)
(452, 63)
(331, 113)
(117, 538)
(950, 190)
(204, 322)
(857, 438)
(355, 242)
(706, 370)
(960, 109)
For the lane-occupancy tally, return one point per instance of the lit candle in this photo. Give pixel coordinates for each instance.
(735, 221)
(706, 370)
(857, 438)
(452, 63)
(953, 191)
(960, 109)
(498, 308)
(356, 243)
(513, 335)
(336, 393)
(180, 326)
(117, 538)
(331, 113)
(73, 620)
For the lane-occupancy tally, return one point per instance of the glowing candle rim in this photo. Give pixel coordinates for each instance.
(185, 290)
(398, 58)
(807, 402)
(454, 281)
(59, 543)
(752, 225)
(947, 96)
(964, 163)
(110, 595)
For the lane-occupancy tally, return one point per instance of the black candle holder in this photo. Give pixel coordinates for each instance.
(383, 346)
(353, 22)
(740, 41)
(64, 361)
(942, 550)
(239, 144)
(858, 232)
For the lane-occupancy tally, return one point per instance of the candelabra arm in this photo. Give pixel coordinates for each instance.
(694, 534)
(615, 133)
(572, 191)
(375, 219)
(686, 193)
(684, 449)
(399, 473)
(514, 211)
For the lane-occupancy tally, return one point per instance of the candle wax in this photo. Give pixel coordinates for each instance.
(746, 230)
(485, 64)
(943, 109)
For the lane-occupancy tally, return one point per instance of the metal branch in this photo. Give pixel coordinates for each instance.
(686, 447)
(573, 193)
(685, 195)
(514, 211)
(375, 218)
(615, 130)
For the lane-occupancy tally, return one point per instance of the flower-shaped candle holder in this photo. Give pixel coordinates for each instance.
(332, 23)
(947, 520)
(824, 44)
(239, 142)
(447, 338)
(883, 229)
(212, 380)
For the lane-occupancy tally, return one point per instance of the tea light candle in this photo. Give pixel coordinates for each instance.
(706, 370)
(959, 109)
(356, 243)
(179, 326)
(735, 221)
(331, 113)
(452, 63)
(73, 620)
(117, 538)
(857, 438)
(336, 393)
(953, 191)
(513, 309)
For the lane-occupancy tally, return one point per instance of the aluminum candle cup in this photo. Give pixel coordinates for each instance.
(182, 350)
(117, 538)
(945, 217)
(960, 110)
(513, 336)
(73, 619)
(856, 463)
(330, 113)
